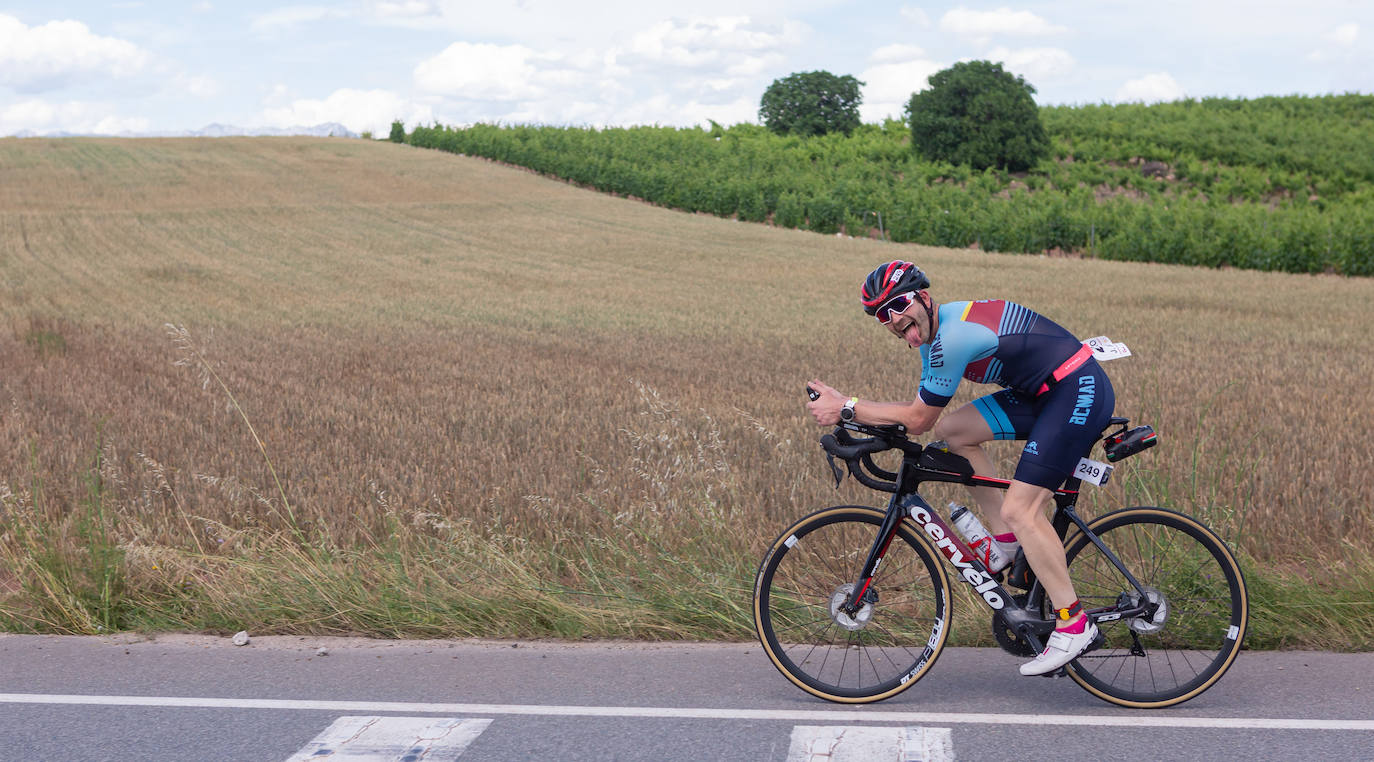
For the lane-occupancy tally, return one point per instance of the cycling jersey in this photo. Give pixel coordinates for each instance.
(1056, 396)
(992, 342)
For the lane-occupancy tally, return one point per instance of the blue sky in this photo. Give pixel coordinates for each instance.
(134, 67)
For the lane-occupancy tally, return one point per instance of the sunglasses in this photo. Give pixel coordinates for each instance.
(895, 306)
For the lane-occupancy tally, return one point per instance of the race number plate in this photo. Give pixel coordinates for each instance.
(1093, 471)
(1105, 349)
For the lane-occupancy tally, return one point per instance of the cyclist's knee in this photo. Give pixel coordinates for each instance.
(957, 435)
(1023, 507)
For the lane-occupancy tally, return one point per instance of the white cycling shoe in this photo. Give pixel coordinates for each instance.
(1060, 649)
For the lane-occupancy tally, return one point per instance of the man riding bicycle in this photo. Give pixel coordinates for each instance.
(1055, 396)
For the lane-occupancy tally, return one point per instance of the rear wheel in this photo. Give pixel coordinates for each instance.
(1194, 600)
(879, 650)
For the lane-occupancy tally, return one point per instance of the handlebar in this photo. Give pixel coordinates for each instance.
(857, 453)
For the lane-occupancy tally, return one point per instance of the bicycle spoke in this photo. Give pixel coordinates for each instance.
(885, 640)
(1166, 657)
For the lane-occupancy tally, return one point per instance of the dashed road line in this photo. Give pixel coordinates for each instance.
(392, 739)
(856, 715)
(855, 743)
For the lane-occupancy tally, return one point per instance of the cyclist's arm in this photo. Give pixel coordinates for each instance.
(916, 416)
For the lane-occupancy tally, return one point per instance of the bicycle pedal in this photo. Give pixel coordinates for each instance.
(1061, 672)
(1099, 641)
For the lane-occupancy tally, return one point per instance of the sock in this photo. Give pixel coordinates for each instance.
(1076, 628)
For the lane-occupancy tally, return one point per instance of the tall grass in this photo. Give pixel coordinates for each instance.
(586, 421)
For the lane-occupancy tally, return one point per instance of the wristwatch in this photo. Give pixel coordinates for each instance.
(847, 412)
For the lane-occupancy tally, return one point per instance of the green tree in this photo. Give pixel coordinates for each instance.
(811, 103)
(979, 114)
(398, 132)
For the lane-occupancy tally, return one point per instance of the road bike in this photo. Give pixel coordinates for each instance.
(852, 603)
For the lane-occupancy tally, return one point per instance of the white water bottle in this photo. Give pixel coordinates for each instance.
(978, 539)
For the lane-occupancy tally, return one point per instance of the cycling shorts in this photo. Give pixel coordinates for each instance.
(1059, 426)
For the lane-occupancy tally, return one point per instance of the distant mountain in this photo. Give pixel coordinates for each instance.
(324, 130)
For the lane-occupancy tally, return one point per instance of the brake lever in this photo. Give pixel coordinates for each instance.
(835, 470)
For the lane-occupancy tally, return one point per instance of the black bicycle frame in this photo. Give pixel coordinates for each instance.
(1024, 620)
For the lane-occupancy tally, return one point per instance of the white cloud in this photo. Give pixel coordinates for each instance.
(43, 117)
(358, 110)
(295, 15)
(711, 68)
(485, 72)
(705, 42)
(890, 82)
(915, 16)
(1035, 64)
(51, 56)
(1345, 34)
(1341, 44)
(197, 86)
(896, 54)
(979, 26)
(406, 9)
(1152, 88)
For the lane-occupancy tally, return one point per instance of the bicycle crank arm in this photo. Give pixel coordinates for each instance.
(1028, 625)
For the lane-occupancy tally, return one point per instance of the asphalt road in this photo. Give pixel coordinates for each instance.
(201, 698)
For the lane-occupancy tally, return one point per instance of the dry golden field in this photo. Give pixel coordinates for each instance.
(474, 383)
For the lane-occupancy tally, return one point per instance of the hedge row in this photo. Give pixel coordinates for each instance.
(835, 183)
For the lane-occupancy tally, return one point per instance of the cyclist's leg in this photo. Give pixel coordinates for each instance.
(1023, 509)
(1003, 415)
(965, 430)
(1069, 419)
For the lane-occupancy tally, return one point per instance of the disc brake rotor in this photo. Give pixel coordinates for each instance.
(860, 618)
(1151, 624)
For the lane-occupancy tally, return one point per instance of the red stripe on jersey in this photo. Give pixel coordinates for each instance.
(987, 313)
(977, 370)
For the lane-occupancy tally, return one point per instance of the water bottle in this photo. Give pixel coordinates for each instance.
(978, 539)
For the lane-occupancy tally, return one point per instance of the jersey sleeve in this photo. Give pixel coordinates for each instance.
(957, 343)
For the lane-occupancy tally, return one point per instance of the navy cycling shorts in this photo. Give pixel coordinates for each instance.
(1059, 426)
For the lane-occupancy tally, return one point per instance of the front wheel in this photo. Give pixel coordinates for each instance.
(1177, 637)
(879, 650)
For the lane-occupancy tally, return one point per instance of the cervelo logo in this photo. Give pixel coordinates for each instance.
(985, 585)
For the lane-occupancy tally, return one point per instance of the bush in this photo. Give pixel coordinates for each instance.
(811, 103)
(398, 132)
(979, 114)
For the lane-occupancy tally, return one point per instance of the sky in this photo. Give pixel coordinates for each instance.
(134, 67)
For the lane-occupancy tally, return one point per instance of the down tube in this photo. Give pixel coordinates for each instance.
(971, 569)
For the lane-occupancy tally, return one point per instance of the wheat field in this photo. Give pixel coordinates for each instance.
(325, 385)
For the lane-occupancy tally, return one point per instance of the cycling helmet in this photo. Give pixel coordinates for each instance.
(888, 280)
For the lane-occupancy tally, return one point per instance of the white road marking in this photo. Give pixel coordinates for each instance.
(928, 745)
(392, 739)
(834, 743)
(857, 714)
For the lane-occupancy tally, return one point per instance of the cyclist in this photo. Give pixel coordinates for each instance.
(1055, 396)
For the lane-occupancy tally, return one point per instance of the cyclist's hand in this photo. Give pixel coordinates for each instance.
(825, 408)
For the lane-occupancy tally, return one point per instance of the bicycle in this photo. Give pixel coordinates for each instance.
(851, 615)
